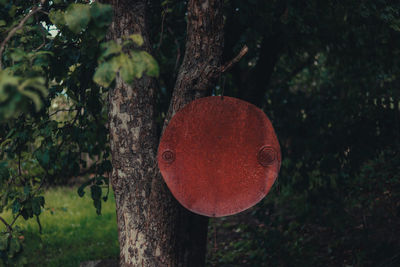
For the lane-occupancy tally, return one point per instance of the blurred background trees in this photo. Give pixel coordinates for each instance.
(327, 75)
(325, 72)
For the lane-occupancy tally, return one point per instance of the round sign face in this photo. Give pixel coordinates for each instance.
(219, 156)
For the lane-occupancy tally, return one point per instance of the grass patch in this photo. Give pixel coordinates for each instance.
(72, 232)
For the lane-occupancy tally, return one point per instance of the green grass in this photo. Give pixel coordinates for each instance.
(72, 232)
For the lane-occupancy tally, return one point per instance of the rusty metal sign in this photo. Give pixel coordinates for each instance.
(219, 156)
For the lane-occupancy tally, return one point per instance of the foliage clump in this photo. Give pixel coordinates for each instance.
(55, 70)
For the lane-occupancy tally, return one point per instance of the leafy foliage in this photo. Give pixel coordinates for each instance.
(130, 65)
(55, 71)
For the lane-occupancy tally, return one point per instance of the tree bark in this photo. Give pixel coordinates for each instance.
(154, 229)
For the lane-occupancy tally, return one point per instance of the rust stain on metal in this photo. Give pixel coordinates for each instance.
(219, 156)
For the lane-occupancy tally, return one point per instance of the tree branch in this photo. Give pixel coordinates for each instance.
(197, 74)
(39, 224)
(9, 228)
(162, 27)
(235, 60)
(15, 219)
(201, 64)
(15, 29)
(63, 110)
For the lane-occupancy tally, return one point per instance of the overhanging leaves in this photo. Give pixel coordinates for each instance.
(77, 17)
(105, 73)
(101, 14)
(131, 64)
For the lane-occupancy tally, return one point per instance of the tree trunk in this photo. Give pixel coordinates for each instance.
(155, 230)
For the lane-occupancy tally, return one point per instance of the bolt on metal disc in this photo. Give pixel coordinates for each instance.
(219, 156)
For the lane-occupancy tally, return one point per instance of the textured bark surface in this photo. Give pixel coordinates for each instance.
(202, 61)
(154, 230)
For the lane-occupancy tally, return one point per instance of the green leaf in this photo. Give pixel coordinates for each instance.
(37, 204)
(134, 65)
(57, 18)
(27, 211)
(37, 83)
(96, 196)
(77, 17)
(27, 190)
(128, 69)
(17, 54)
(152, 68)
(81, 189)
(137, 39)
(111, 48)
(139, 64)
(7, 79)
(97, 205)
(101, 14)
(43, 157)
(40, 53)
(34, 97)
(106, 72)
(16, 206)
(95, 192)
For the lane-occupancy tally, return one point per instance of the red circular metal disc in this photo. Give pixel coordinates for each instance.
(219, 156)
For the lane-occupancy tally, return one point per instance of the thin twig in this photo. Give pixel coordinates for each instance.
(65, 110)
(44, 12)
(15, 219)
(15, 29)
(39, 47)
(162, 28)
(6, 224)
(178, 50)
(40, 225)
(235, 60)
(44, 33)
(43, 43)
